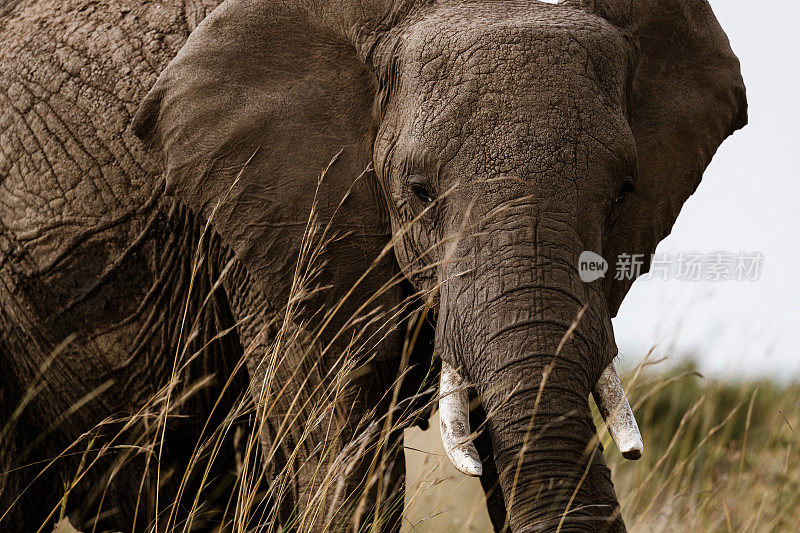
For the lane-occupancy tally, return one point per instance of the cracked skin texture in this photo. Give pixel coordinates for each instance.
(547, 130)
(88, 244)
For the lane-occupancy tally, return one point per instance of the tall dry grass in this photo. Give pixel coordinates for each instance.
(723, 455)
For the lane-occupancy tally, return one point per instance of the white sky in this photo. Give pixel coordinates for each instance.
(749, 200)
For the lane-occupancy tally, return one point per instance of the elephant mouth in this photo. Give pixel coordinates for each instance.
(457, 437)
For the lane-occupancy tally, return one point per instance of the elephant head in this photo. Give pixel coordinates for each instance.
(491, 143)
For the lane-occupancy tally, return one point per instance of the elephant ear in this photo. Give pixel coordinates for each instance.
(687, 97)
(261, 100)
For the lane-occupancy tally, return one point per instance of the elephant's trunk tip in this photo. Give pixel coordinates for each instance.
(454, 423)
(617, 412)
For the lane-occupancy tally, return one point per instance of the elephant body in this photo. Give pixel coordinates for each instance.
(100, 272)
(91, 247)
(208, 229)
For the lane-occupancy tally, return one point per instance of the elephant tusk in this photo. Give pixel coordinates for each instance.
(454, 422)
(617, 413)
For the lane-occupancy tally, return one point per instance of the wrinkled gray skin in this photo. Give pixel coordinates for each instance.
(495, 140)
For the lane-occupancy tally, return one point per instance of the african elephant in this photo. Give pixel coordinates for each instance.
(159, 183)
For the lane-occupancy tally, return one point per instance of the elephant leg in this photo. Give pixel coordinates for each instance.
(392, 491)
(327, 463)
(490, 480)
(62, 348)
(86, 348)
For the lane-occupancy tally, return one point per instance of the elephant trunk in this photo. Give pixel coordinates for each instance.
(551, 467)
(535, 342)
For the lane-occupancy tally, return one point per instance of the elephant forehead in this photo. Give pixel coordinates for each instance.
(513, 33)
(522, 81)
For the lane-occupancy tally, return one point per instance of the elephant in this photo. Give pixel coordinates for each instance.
(396, 192)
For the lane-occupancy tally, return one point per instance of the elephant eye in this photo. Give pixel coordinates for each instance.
(623, 193)
(421, 189)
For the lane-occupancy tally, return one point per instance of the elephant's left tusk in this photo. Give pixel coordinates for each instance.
(616, 411)
(454, 423)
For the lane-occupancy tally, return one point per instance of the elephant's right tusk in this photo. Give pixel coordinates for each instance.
(616, 411)
(454, 422)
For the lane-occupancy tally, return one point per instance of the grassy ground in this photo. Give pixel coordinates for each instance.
(719, 456)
